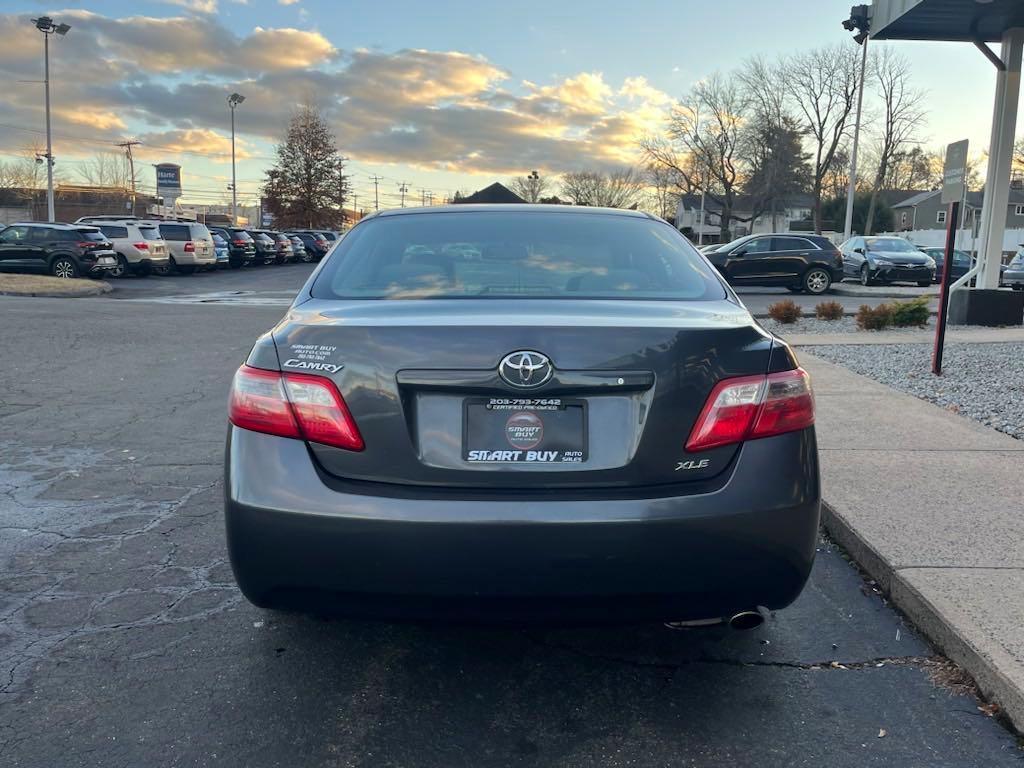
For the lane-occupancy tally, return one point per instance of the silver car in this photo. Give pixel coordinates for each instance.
(1014, 274)
(190, 244)
(140, 247)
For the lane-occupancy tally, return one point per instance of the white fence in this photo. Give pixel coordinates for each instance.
(1013, 239)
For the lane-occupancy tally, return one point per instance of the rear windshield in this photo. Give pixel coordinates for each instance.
(240, 234)
(150, 233)
(534, 255)
(90, 234)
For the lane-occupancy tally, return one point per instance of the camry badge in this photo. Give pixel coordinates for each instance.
(525, 369)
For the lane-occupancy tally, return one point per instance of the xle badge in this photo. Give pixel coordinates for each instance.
(693, 464)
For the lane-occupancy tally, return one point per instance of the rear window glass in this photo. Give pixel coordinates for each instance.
(199, 232)
(531, 255)
(88, 234)
(111, 231)
(174, 232)
(150, 233)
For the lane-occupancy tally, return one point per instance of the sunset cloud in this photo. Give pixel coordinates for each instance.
(165, 81)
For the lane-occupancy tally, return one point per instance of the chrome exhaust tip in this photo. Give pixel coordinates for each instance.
(745, 620)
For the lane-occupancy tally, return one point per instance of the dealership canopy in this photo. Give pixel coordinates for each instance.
(979, 22)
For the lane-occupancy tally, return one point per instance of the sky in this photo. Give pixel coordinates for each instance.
(440, 96)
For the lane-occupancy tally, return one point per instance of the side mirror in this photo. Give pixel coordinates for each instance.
(859, 250)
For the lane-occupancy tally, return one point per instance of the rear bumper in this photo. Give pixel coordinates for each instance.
(748, 543)
(1013, 278)
(195, 259)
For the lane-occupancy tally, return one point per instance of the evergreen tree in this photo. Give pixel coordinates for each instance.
(307, 186)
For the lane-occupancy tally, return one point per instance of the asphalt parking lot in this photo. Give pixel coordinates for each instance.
(123, 640)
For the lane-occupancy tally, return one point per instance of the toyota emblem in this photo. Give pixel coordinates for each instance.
(525, 369)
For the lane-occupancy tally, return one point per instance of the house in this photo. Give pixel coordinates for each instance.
(496, 193)
(789, 211)
(926, 210)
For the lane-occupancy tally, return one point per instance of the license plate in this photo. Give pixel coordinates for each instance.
(524, 430)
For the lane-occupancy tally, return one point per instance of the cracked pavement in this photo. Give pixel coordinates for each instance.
(124, 642)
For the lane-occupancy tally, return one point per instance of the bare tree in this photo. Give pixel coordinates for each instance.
(822, 84)
(901, 118)
(663, 197)
(531, 187)
(107, 169)
(910, 169)
(703, 147)
(1018, 155)
(27, 171)
(622, 188)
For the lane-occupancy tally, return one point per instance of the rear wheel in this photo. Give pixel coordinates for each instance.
(816, 281)
(64, 267)
(122, 269)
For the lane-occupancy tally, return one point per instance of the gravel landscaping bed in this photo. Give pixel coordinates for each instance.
(43, 285)
(813, 325)
(982, 381)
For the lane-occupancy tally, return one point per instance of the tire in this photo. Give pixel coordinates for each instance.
(816, 281)
(64, 267)
(121, 270)
(144, 270)
(865, 275)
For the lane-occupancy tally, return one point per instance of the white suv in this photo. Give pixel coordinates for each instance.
(190, 244)
(139, 245)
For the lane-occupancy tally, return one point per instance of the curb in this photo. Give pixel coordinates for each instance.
(867, 293)
(931, 622)
(96, 289)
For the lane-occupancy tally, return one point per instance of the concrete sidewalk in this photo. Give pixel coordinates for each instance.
(931, 504)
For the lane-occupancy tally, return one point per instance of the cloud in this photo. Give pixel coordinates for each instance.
(166, 80)
(196, 6)
(287, 2)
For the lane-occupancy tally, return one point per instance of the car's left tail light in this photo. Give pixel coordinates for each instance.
(296, 405)
(752, 407)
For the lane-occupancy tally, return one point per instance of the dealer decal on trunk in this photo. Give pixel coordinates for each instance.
(312, 357)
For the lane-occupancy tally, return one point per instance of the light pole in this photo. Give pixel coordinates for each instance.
(860, 21)
(48, 26)
(233, 101)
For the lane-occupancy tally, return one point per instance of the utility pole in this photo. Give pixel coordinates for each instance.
(423, 197)
(48, 26)
(403, 188)
(858, 20)
(376, 191)
(233, 101)
(355, 203)
(131, 165)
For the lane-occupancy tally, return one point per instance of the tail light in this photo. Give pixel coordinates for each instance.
(296, 405)
(190, 247)
(141, 246)
(752, 407)
(87, 244)
(238, 242)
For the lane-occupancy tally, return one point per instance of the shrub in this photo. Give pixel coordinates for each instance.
(786, 311)
(829, 310)
(874, 318)
(905, 313)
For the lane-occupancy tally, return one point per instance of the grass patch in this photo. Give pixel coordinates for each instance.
(44, 285)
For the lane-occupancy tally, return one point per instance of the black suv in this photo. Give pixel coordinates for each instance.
(808, 263)
(316, 244)
(241, 248)
(63, 250)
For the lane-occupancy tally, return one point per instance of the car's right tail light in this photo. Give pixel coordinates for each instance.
(297, 405)
(752, 407)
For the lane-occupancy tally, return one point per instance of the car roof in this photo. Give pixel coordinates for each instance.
(531, 208)
(56, 225)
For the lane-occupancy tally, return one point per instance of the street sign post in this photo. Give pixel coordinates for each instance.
(954, 180)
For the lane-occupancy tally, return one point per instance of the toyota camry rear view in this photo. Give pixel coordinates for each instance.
(521, 411)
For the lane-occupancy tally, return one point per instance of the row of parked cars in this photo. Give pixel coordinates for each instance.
(812, 263)
(113, 246)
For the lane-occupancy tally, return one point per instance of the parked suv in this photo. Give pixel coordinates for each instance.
(1014, 274)
(190, 244)
(299, 252)
(282, 244)
(140, 247)
(808, 263)
(63, 250)
(266, 247)
(316, 245)
(241, 248)
(887, 260)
